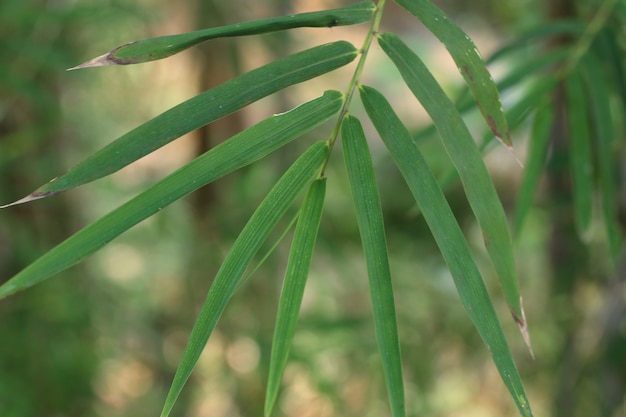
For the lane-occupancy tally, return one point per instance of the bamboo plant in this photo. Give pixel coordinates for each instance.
(307, 175)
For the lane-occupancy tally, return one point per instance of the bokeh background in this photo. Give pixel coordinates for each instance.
(104, 338)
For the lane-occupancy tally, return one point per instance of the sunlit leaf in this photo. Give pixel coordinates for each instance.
(240, 150)
(248, 243)
(199, 111)
(468, 60)
(164, 46)
(468, 162)
(370, 219)
(293, 287)
(449, 238)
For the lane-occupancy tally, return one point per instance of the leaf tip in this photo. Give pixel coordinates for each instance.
(31, 197)
(522, 325)
(7, 289)
(99, 61)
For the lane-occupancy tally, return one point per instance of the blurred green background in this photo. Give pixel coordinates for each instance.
(104, 338)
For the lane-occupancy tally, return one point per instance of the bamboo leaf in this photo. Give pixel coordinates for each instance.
(611, 52)
(539, 64)
(517, 113)
(293, 287)
(370, 219)
(468, 161)
(581, 165)
(240, 150)
(468, 60)
(199, 111)
(602, 128)
(573, 28)
(268, 253)
(449, 238)
(537, 152)
(248, 243)
(152, 49)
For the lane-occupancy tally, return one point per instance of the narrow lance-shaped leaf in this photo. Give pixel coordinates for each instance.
(468, 60)
(581, 165)
(468, 161)
(293, 287)
(611, 51)
(535, 93)
(240, 150)
(449, 238)
(199, 111)
(537, 152)
(465, 101)
(256, 231)
(544, 30)
(370, 219)
(532, 67)
(164, 46)
(602, 122)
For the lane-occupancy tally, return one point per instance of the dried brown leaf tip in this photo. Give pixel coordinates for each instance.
(31, 197)
(104, 60)
(522, 324)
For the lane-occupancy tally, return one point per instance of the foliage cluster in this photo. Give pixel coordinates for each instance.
(587, 61)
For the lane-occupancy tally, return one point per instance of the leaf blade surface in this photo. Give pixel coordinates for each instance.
(242, 149)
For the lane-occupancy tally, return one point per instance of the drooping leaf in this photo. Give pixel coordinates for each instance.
(449, 238)
(545, 29)
(468, 162)
(535, 161)
(528, 68)
(516, 75)
(369, 215)
(535, 93)
(468, 60)
(199, 111)
(293, 287)
(152, 49)
(581, 164)
(240, 150)
(248, 243)
(611, 51)
(602, 125)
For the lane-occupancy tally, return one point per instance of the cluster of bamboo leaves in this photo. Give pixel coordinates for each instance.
(306, 174)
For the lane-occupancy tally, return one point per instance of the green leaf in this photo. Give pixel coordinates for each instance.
(535, 66)
(468, 161)
(468, 60)
(573, 28)
(515, 114)
(240, 150)
(581, 164)
(268, 253)
(602, 125)
(535, 161)
(164, 46)
(370, 219)
(611, 51)
(248, 243)
(199, 111)
(293, 287)
(534, 93)
(449, 238)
